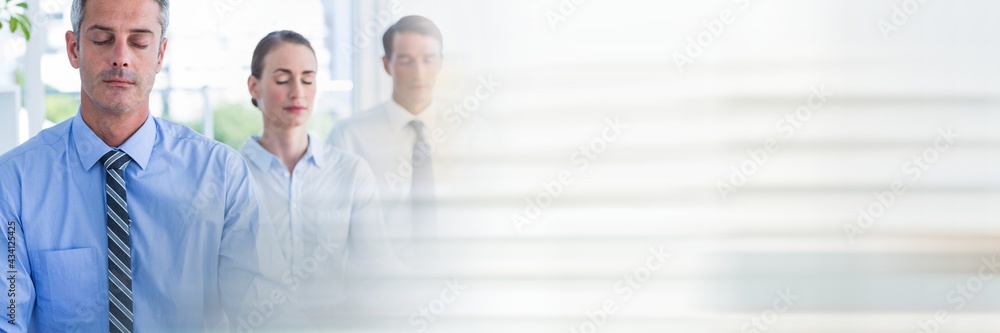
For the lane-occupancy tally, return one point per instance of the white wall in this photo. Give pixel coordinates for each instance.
(658, 185)
(10, 111)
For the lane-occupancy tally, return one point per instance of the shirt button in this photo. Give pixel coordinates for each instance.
(287, 175)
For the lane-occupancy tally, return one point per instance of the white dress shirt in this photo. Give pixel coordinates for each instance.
(384, 137)
(327, 219)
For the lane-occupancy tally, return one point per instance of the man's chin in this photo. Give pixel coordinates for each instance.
(116, 106)
(116, 101)
(420, 96)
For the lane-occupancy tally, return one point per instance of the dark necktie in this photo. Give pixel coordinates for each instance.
(422, 186)
(119, 257)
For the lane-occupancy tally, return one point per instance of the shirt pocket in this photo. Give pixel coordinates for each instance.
(67, 292)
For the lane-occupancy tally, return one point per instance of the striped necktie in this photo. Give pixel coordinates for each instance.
(119, 257)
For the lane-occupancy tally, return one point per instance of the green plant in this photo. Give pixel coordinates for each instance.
(59, 107)
(13, 15)
(234, 123)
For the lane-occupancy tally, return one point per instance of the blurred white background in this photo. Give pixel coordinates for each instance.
(756, 139)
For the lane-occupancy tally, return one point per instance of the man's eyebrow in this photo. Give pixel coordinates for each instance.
(100, 27)
(142, 31)
(108, 29)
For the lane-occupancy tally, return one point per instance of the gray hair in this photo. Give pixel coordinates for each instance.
(76, 15)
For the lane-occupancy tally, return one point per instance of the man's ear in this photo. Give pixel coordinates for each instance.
(73, 49)
(385, 65)
(162, 53)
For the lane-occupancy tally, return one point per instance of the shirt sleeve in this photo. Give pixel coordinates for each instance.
(370, 254)
(251, 264)
(338, 138)
(19, 289)
(368, 241)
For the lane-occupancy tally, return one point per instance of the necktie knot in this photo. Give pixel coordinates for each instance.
(418, 126)
(115, 160)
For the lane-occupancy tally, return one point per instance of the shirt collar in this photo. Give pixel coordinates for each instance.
(91, 148)
(399, 118)
(314, 152)
(263, 159)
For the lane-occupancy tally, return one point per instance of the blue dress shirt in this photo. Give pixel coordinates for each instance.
(202, 249)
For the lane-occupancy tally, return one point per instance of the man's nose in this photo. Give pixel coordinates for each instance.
(120, 56)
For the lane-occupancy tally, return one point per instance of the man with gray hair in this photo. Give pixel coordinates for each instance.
(119, 221)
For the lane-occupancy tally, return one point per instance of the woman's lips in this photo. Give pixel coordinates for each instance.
(295, 109)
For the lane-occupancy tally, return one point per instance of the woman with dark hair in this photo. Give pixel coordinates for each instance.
(322, 202)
